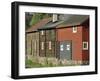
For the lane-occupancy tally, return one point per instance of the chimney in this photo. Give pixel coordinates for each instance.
(54, 18)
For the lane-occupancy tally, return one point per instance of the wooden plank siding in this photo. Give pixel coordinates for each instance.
(48, 37)
(35, 44)
(42, 39)
(33, 36)
(29, 44)
(85, 37)
(32, 44)
(65, 34)
(45, 42)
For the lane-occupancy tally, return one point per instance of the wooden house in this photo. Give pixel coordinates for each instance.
(47, 37)
(62, 37)
(47, 43)
(32, 38)
(71, 38)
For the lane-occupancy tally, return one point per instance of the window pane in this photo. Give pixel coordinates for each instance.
(42, 32)
(49, 45)
(42, 45)
(67, 47)
(61, 47)
(74, 29)
(85, 45)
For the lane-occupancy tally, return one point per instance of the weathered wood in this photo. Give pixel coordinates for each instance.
(32, 44)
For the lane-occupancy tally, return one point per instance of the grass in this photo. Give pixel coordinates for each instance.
(46, 63)
(30, 64)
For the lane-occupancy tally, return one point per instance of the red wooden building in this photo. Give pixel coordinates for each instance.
(72, 36)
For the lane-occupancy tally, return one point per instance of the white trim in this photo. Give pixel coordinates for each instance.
(55, 18)
(75, 29)
(42, 32)
(68, 47)
(86, 45)
(61, 47)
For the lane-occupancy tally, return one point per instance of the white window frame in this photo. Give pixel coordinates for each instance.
(42, 45)
(85, 42)
(50, 45)
(61, 47)
(74, 29)
(68, 47)
(42, 32)
(55, 18)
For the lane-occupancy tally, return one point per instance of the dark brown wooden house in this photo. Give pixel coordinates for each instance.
(32, 38)
(47, 43)
(47, 37)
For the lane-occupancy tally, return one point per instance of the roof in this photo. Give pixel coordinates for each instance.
(39, 24)
(72, 20)
(51, 25)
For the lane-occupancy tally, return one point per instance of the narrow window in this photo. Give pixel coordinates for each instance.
(42, 32)
(68, 47)
(42, 45)
(49, 45)
(61, 48)
(35, 45)
(31, 47)
(74, 29)
(85, 45)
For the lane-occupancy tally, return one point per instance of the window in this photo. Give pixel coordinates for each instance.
(35, 45)
(74, 29)
(49, 45)
(55, 18)
(68, 47)
(61, 47)
(42, 45)
(42, 32)
(85, 45)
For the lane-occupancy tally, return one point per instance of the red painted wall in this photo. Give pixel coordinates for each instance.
(85, 37)
(67, 34)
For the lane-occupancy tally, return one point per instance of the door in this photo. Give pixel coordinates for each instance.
(65, 50)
